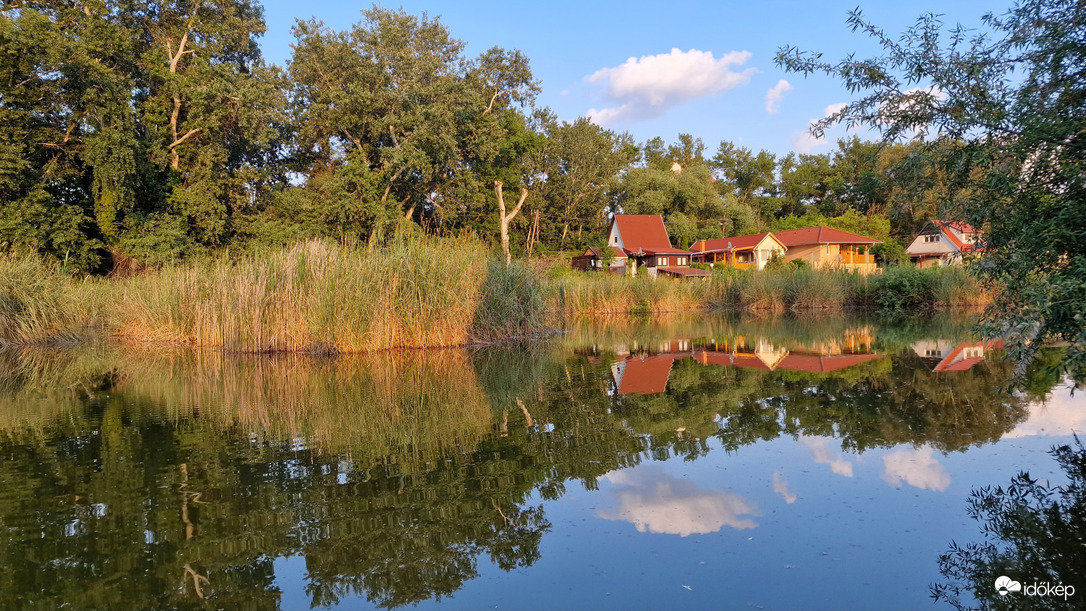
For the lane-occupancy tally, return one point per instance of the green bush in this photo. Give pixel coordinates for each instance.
(903, 288)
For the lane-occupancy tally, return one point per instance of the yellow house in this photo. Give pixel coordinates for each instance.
(741, 252)
(826, 248)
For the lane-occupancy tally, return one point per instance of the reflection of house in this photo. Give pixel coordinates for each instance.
(612, 260)
(742, 252)
(827, 248)
(648, 373)
(642, 375)
(942, 355)
(943, 243)
(644, 241)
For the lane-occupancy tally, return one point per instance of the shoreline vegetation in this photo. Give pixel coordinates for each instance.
(322, 297)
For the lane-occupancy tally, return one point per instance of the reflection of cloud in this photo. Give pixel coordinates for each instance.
(646, 87)
(774, 95)
(1062, 414)
(781, 487)
(915, 467)
(819, 447)
(657, 502)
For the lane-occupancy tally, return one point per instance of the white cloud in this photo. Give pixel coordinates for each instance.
(646, 87)
(774, 95)
(916, 467)
(819, 447)
(1061, 414)
(781, 487)
(804, 141)
(656, 502)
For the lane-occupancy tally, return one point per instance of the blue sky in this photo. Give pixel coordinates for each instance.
(714, 85)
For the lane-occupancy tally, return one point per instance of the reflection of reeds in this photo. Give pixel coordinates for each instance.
(38, 385)
(418, 404)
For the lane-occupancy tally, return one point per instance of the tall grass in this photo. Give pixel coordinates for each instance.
(41, 305)
(902, 289)
(326, 298)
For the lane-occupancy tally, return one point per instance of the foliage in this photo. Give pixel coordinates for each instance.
(1032, 530)
(1003, 116)
(890, 252)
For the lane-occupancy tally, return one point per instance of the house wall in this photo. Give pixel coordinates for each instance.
(811, 253)
(614, 238)
(824, 256)
(920, 247)
(765, 251)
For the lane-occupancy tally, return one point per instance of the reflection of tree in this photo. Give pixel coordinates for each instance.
(184, 475)
(1033, 532)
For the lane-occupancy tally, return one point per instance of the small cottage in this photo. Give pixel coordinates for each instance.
(942, 243)
(740, 252)
(827, 248)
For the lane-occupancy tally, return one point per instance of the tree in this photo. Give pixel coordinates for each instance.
(748, 176)
(1003, 113)
(1032, 529)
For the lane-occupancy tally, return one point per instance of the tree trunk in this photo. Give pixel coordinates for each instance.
(505, 218)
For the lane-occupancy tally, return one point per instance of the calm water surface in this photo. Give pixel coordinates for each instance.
(692, 463)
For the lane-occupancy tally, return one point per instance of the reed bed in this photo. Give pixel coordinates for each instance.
(325, 298)
(40, 305)
(903, 289)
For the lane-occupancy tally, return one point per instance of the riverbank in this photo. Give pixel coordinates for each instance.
(326, 298)
(904, 289)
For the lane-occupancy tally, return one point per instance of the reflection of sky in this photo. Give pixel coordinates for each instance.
(1060, 415)
(916, 467)
(819, 447)
(657, 502)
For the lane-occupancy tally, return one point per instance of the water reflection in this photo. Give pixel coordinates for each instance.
(657, 502)
(1034, 532)
(185, 475)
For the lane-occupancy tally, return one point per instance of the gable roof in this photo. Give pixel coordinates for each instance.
(821, 235)
(642, 232)
(947, 226)
(742, 242)
(645, 375)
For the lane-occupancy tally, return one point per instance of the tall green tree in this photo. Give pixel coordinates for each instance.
(1004, 111)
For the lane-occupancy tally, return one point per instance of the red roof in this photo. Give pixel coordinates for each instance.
(823, 364)
(946, 226)
(721, 244)
(731, 359)
(645, 376)
(821, 235)
(643, 232)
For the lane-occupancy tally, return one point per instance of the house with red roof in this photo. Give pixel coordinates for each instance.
(943, 355)
(644, 241)
(740, 252)
(827, 248)
(942, 243)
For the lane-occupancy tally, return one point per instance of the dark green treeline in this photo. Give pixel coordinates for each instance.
(147, 132)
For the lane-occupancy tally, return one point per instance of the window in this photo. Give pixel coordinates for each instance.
(662, 261)
(931, 238)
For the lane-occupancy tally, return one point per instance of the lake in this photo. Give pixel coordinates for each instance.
(690, 463)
